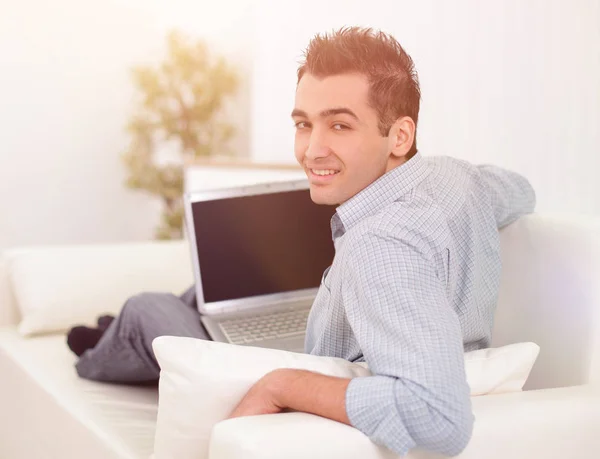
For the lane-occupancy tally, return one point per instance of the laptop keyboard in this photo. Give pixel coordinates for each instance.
(282, 324)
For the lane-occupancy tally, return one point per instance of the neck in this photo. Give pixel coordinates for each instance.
(394, 162)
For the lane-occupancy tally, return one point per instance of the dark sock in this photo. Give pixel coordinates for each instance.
(81, 338)
(104, 322)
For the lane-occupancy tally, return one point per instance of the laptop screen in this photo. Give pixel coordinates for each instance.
(261, 244)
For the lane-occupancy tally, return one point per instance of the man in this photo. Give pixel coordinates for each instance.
(415, 278)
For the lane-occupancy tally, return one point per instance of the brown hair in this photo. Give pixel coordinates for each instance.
(394, 86)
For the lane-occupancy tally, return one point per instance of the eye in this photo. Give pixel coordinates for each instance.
(301, 124)
(340, 127)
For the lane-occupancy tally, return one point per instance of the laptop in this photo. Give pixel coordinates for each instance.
(258, 254)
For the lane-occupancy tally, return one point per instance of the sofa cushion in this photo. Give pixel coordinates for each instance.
(201, 382)
(58, 287)
(50, 412)
(9, 313)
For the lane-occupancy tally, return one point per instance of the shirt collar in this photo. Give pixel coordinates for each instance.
(379, 194)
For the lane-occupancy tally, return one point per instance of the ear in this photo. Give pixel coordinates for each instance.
(401, 137)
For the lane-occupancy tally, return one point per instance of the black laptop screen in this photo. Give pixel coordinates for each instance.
(262, 244)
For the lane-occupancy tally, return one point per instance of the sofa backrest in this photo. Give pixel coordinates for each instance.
(550, 294)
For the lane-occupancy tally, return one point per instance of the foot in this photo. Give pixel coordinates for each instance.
(81, 338)
(104, 322)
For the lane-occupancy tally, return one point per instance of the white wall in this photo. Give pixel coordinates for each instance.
(65, 98)
(512, 82)
(515, 83)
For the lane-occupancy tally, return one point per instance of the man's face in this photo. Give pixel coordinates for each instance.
(338, 142)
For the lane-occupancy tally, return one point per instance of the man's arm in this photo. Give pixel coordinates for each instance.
(411, 339)
(512, 196)
(297, 390)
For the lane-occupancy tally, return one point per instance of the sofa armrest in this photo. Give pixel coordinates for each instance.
(553, 424)
(291, 435)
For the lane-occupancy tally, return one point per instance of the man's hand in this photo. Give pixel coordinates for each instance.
(298, 390)
(261, 398)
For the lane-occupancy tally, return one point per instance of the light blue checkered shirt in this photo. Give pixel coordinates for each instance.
(414, 285)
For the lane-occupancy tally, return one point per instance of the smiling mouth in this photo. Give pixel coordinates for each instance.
(324, 172)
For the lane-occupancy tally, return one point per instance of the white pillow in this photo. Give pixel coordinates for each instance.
(201, 382)
(58, 287)
(500, 370)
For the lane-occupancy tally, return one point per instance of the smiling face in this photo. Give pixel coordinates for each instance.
(338, 142)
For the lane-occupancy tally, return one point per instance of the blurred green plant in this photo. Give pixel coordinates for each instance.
(182, 101)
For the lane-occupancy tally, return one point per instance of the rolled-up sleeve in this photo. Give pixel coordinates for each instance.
(410, 337)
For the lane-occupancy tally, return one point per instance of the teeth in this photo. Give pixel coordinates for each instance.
(324, 171)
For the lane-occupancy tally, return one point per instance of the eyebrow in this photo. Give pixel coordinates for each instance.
(326, 113)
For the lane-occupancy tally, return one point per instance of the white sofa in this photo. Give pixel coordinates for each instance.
(550, 294)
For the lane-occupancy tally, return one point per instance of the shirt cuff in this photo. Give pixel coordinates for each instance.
(371, 408)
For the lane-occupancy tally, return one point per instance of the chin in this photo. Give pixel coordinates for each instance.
(322, 197)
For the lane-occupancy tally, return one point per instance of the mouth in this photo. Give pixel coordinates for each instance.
(320, 176)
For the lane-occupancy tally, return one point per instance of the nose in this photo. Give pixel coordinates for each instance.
(317, 148)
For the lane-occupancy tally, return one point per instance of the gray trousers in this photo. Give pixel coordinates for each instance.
(124, 353)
